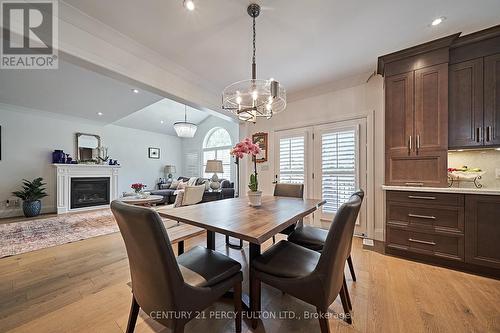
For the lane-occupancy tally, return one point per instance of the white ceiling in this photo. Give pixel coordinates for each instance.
(150, 118)
(300, 43)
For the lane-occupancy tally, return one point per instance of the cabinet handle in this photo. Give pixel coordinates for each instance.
(414, 184)
(488, 133)
(421, 197)
(428, 217)
(409, 145)
(418, 142)
(420, 241)
(477, 134)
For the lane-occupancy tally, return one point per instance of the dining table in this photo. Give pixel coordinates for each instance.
(236, 218)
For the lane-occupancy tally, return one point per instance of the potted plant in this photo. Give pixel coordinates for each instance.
(247, 147)
(31, 194)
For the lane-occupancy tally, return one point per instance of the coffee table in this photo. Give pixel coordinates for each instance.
(147, 201)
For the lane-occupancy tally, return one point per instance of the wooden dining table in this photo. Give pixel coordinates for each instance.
(236, 218)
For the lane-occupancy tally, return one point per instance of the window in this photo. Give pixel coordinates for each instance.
(338, 164)
(216, 146)
(291, 160)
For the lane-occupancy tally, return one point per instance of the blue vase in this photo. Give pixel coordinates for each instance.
(32, 208)
(58, 156)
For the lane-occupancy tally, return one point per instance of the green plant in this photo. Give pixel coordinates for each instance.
(32, 191)
(254, 184)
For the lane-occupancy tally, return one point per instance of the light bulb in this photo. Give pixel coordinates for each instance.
(238, 99)
(255, 95)
(189, 4)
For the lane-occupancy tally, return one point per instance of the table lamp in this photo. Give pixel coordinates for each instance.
(169, 170)
(214, 166)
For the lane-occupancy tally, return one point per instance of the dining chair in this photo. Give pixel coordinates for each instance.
(291, 191)
(313, 277)
(168, 290)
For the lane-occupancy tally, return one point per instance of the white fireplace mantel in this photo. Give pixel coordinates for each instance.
(64, 173)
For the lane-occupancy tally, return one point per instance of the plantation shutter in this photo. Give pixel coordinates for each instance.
(338, 152)
(291, 160)
(192, 165)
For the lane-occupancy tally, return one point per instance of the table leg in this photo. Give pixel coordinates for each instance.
(232, 245)
(180, 248)
(210, 240)
(254, 288)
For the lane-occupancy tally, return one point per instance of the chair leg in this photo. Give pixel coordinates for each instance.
(132, 318)
(347, 312)
(323, 321)
(351, 268)
(237, 306)
(348, 297)
(255, 301)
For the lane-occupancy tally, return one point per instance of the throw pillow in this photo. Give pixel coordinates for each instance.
(182, 185)
(174, 184)
(192, 181)
(207, 185)
(179, 197)
(193, 195)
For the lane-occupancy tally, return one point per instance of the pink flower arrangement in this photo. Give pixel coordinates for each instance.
(137, 187)
(246, 146)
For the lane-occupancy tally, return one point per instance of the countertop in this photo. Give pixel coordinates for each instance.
(490, 191)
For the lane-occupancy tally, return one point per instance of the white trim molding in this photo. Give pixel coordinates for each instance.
(64, 173)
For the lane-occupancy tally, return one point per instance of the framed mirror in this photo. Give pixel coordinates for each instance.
(87, 147)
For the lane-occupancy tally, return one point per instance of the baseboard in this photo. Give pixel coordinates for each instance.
(18, 211)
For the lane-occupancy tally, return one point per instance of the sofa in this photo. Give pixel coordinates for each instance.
(227, 191)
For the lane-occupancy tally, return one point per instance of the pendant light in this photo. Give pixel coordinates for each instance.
(250, 99)
(184, 129)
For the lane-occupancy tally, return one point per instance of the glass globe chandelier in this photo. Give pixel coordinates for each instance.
(184, 129)
(254, 98)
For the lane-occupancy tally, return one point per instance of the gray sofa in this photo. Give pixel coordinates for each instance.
(227, 191)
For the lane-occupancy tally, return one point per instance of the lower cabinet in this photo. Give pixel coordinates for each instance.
(461, 230)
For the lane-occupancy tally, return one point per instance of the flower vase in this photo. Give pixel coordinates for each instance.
(254, 198)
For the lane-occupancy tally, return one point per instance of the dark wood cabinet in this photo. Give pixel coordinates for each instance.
(465, 104)
(492, 100)
(482, 230)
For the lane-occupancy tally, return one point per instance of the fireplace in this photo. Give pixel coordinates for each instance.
(89, 191)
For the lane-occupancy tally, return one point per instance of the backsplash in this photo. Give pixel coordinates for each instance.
(486, 160)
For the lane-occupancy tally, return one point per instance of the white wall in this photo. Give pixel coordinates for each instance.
(196, 143)
(30, 136)
(338, 105)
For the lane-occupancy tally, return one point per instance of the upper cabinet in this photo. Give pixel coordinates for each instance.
(474, 95)
(416, 114)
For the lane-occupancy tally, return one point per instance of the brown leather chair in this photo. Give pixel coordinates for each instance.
(292, 191)
(169, 290)
(315, 278)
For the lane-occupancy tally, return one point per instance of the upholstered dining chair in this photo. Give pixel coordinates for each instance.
(313, 277)
(169, 290)
(292, 191)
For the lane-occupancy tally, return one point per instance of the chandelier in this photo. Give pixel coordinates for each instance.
(251, 99)
(184, 129)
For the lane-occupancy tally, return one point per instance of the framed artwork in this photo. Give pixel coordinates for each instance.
(154, 153)
(261, 140)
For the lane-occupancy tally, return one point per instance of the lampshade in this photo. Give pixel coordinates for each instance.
(170, 169)
(185, 129)
(214, 166)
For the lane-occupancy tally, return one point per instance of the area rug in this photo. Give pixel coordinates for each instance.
(31, 235)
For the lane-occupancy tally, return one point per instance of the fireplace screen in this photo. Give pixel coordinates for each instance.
(89, 191)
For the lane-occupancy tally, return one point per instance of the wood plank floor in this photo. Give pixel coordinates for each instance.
(82, 287)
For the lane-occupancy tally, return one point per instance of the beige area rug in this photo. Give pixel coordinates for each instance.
(31, 235)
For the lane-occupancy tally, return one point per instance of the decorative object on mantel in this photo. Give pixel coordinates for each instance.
(102, 155)
(87, 147)
(185, 129)
(154, 153)
(260, 139)
(138, 188)
(465, 174)
(216, 167)
(31, 194)
(250, 99)
(247, 147)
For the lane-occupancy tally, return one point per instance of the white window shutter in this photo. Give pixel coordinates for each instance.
(292, 160)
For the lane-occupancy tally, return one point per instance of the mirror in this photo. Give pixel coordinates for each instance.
(87, 147)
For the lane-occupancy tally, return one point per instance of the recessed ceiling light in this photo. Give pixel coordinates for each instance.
(438, 20)
(99, 114)
(189, 4)
(135, 91)
(161, 121)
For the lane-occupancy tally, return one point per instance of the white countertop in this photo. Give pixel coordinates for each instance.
(490, 191)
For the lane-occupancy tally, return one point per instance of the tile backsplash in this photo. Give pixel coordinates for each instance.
(488, 160)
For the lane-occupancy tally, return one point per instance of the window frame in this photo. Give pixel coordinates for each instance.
(215, 149)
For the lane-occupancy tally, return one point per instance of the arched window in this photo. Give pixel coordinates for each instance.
(216, 146)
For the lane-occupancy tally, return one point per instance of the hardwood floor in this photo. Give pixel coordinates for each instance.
(82, 287)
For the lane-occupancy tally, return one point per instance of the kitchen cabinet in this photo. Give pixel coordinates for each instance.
(482, 230)
(492, 100)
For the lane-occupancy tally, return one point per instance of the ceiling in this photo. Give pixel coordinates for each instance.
(150, 118)
(302, 44)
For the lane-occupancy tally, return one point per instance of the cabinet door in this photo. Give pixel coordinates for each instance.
(492, 100)
(465, 114)
(399, 113)
(482, 230)
(431, 108)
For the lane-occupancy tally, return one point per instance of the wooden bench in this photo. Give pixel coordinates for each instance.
(181, 232)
